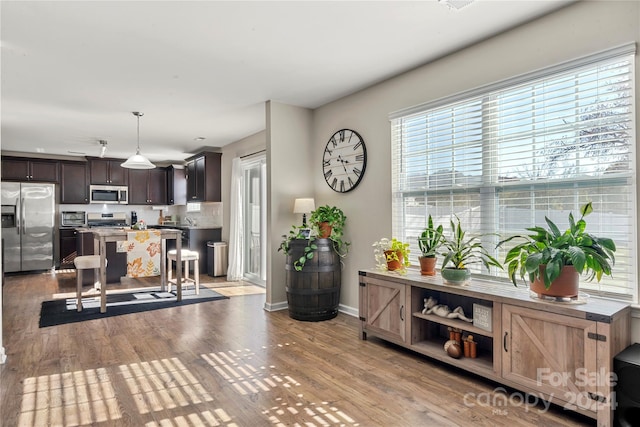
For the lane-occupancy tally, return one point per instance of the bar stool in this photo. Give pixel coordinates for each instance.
(85, 262)
(186, 256)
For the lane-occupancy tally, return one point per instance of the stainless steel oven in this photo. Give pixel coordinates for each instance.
(73, 218)
(111, 194)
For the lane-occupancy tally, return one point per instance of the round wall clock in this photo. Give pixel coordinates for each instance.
(344, 161)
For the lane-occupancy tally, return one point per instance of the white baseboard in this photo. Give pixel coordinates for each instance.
(3, 356)
(351, 311)
(276, 307)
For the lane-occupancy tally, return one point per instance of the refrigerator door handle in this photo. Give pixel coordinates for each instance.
(18, 215)
(24, 220)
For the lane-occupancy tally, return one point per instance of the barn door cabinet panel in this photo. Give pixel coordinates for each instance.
(383, 309)
(203, 174)
(108, 172)
(148, 186)
(74, 177)
(37, 170)
(562, 353)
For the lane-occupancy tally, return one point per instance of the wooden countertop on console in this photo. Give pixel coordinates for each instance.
(593, 308)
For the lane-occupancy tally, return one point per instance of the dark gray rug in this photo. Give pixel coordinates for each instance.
(61, 311)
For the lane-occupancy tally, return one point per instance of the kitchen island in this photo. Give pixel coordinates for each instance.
(101, 236)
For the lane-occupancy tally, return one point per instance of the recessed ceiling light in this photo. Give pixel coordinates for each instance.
(199, 138)
(455, 4)
(39, 150)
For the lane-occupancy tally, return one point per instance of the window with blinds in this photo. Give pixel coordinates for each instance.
(504, 157)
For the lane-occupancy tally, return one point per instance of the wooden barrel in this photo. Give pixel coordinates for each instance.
(313, 294)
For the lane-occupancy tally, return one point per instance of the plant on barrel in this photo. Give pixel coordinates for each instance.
(460, 251)
(333, 230)
(429, 242)
(548, 255)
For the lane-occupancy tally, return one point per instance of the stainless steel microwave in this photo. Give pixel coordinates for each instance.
(111, 194)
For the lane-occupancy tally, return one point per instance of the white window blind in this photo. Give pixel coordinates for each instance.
(503, 157)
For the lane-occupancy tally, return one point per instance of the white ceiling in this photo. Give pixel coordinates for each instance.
(73, 71)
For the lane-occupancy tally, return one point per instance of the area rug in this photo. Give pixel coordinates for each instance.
(61, 311)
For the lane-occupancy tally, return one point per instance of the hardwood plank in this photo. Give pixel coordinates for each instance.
(230, 363)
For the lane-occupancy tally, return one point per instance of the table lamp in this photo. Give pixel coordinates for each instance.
(304, 206)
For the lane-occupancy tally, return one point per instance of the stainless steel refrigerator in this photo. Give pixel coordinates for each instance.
(28, 216)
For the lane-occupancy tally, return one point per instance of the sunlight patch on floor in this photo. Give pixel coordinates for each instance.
(162, 384)
(245, 377)
(314, 415)
(204, 419)
(69, 399)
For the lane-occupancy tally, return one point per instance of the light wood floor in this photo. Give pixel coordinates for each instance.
(229, 363)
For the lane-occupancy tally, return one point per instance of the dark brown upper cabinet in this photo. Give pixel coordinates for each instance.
(21, 169)
(148, 186)
(108, 172)
(204, 173)
(74, 182)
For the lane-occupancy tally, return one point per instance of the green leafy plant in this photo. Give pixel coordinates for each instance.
(298, 232)
(385, 251)
(334, 217)
(461, 251)
(430, 240)
(556, 249)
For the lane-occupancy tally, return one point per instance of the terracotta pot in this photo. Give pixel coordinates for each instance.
(325, 230)
(455, 276)
(566, 284)
(394, 264)
(427, 265)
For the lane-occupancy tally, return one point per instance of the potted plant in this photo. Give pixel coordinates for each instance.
(461, 251)
(326, 222)
(429, 242)
(391, 255)
(554, 260)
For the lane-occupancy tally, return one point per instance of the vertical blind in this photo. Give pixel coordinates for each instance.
(503, 157)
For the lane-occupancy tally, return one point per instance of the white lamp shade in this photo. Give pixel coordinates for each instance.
(138, 161)
(304, 206)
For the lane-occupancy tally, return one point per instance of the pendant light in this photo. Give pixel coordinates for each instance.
(138, 161)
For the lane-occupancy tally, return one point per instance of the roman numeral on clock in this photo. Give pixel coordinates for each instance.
(328, 174)
(357, 171)
(350, 182)
(342, 185)
(341, 136)
(326, 163)
(334, 183)
(360, 158)
(358, 145)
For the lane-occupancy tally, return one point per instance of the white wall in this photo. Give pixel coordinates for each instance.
(580, 29)
(289, 166)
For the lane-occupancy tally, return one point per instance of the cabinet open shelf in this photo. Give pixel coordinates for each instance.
(434, 349)
(455, 323)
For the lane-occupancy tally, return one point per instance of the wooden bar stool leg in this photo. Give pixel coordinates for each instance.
(196, 273)
(79, 289)
(169, 270)
(185, 271)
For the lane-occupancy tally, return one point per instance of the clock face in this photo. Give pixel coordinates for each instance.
(344, 161)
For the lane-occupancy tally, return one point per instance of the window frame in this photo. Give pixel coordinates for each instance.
(489, 183)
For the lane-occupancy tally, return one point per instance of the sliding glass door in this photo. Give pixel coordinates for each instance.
(255, 219)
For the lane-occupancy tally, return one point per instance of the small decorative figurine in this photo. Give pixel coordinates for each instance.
(431, 306)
